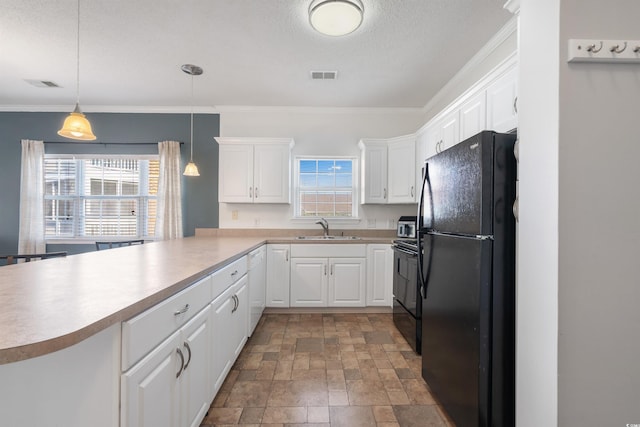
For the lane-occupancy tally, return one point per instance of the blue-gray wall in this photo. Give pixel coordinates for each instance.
(200, 194)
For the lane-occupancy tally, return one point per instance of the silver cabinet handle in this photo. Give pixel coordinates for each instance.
(236, 303)
(515, 105)
(332, 268)
(234, 273)
(412, 191)
(385, 194)
(182, 310)
(251, 192)
(186, 345)
(286, 255)
(181, 363)
(256, 192)
(325, 269)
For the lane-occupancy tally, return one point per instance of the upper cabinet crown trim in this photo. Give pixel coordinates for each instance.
(253, 140)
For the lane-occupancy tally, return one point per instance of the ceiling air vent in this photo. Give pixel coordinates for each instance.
(324, 75)
(41, 83)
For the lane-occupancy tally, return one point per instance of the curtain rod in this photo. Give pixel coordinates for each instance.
(103, 143)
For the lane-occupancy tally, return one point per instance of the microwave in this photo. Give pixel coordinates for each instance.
(407, 227)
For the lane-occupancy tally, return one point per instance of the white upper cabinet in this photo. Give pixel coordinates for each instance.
(491, 104)
(254, 170)
(388, 170)
(502, 102)
(473, 116)
(401, 173)
(373, 171)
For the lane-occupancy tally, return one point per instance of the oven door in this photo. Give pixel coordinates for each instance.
(407, 303)
(405, 280)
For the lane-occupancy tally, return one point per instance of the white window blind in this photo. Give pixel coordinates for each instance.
(100, 197)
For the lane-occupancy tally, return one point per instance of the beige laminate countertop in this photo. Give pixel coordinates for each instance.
(53, 304)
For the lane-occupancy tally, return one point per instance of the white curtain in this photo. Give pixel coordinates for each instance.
(31, 234)
(169, 213)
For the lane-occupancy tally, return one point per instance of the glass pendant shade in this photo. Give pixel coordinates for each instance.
(336, 17)
(76, 126)
(191, 170)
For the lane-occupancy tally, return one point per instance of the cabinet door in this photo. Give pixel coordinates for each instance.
(257, 286)
(150, 395)
(272, 173)
(401, 170)
(502, 109)
(473, 117)
(450, 130)
(346, 282)
(235, 173)
(379, 275)
(309, 282)
(221, 338)
(278, 271)
(374, 172)
(239, 317)
(195, 385)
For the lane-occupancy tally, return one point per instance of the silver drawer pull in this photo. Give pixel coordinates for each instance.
(234, 273)
(182, 310)
(186, 345)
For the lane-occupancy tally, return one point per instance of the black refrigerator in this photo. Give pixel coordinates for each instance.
(467, 277)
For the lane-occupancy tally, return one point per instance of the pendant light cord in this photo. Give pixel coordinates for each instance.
(78, 60)
(191, 137)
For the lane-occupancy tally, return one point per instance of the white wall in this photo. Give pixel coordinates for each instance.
(537, 292)
(578, 279)
(320, 132)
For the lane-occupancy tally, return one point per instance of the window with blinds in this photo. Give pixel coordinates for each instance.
(100, 196)
(325, 188)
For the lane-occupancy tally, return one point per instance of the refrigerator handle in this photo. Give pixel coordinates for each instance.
(426, 184)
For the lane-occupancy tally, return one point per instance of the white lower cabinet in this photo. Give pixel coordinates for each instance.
(278, 271)
(309, 282)
(347, 282)
(229, 316)
(379, 275)
(257, 260)
(327, 275)
(169, 386)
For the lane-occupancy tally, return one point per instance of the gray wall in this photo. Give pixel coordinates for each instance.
(200, 194)
(579, 273)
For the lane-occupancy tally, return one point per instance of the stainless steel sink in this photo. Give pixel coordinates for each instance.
(328, 238)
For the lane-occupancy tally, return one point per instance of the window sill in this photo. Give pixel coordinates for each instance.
(92, 242)
(330, 220)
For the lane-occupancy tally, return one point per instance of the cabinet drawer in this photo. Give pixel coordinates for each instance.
(329, 250)
(228, 275)
(145, 331)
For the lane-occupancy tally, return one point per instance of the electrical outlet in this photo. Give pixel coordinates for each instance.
(234, 215)
(371, 223)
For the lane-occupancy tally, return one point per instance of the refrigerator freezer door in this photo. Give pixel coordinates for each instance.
(456, 326)
(458, 195)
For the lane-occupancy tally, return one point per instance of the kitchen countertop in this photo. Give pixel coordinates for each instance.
(52, 304)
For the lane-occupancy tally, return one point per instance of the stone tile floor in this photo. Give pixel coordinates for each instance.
(329, 370)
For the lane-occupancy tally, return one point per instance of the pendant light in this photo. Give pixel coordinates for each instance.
(336, 17)
(76, 125)
(191, 169)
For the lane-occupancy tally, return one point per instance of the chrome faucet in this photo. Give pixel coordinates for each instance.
(325, 226)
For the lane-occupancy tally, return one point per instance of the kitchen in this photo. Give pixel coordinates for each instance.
(557, 359)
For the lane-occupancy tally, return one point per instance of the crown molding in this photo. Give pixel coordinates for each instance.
(316, 110)
(109, 109)
(503, 34)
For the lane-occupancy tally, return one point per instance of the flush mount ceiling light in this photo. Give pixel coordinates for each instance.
(76, 125)
(335, 17)
(193, 70)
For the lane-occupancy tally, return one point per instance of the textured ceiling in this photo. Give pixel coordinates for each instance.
(254, 52)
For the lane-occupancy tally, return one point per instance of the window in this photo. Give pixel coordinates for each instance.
(325, 188)
(100, 196)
